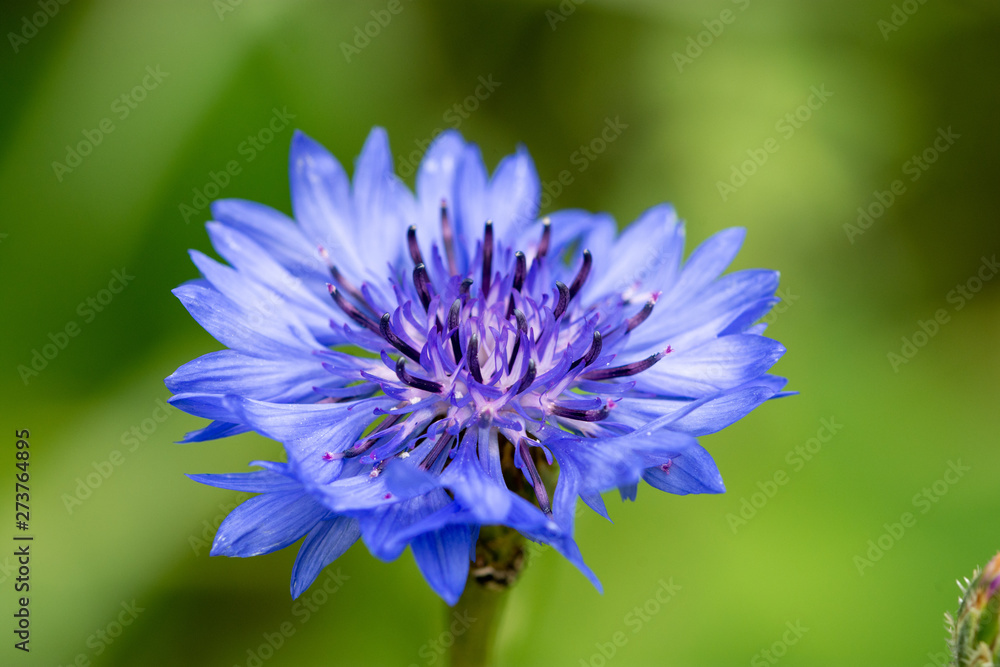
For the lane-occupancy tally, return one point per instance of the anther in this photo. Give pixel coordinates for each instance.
(520, 269)
(395, 340)
(473, 358)
(536, 480)
(529, 377)
(436, 451)
(543, 245)
(487, 256)
(522, 326)
(627, 369)
(448, 236)
(342, 282)
(415, 382)
(423, 284)
(411, 241)
(595, 415)
(351, 311)
(643, 314)
(592, 353)
(453, 315)
(563, 300)
(581, 276)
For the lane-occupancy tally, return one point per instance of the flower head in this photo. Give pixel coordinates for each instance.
(975, 629)
(441, 362)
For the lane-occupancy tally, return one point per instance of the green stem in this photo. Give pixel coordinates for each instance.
(499, 561)
(480, 608)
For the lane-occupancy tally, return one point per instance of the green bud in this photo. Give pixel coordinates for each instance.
(975, 630)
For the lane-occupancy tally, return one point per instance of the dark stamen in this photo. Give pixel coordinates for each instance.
(395, 340)
(543, 245)
(529, 377)
(522, 325)
(439, 447)
(453, 315)
(366, 443)
(520, 269)
(472, 353)
(448, 236)
(338, 278)
(581, 276)
(581, 415)
(415, 382)
(536, 480)
(487, 256)
(563, 300)
(351, 311)
(411, 240)
(595, 349)
(423, 284)
(463, 289)
(627, 369)
(641, 316)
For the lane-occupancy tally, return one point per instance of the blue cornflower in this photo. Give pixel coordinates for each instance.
(434, 363)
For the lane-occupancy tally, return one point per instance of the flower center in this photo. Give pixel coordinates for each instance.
(503, 346)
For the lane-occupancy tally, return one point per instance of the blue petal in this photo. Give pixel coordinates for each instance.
(514, 194)
(384, 207)
(694, 471)
(437, 182)
(272, 230)
(709, 260)
(321, 202)
(217, 429)
(258, 481)
(312, 307)
(310, 431)
(325, 543)
(382, 529)
(720, 412)
(646, 253)
(721, 363)
(443, 559)
(227, 372)
(266, 523)
(231, 326)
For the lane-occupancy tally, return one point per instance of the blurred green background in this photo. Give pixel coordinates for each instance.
(559, 72)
